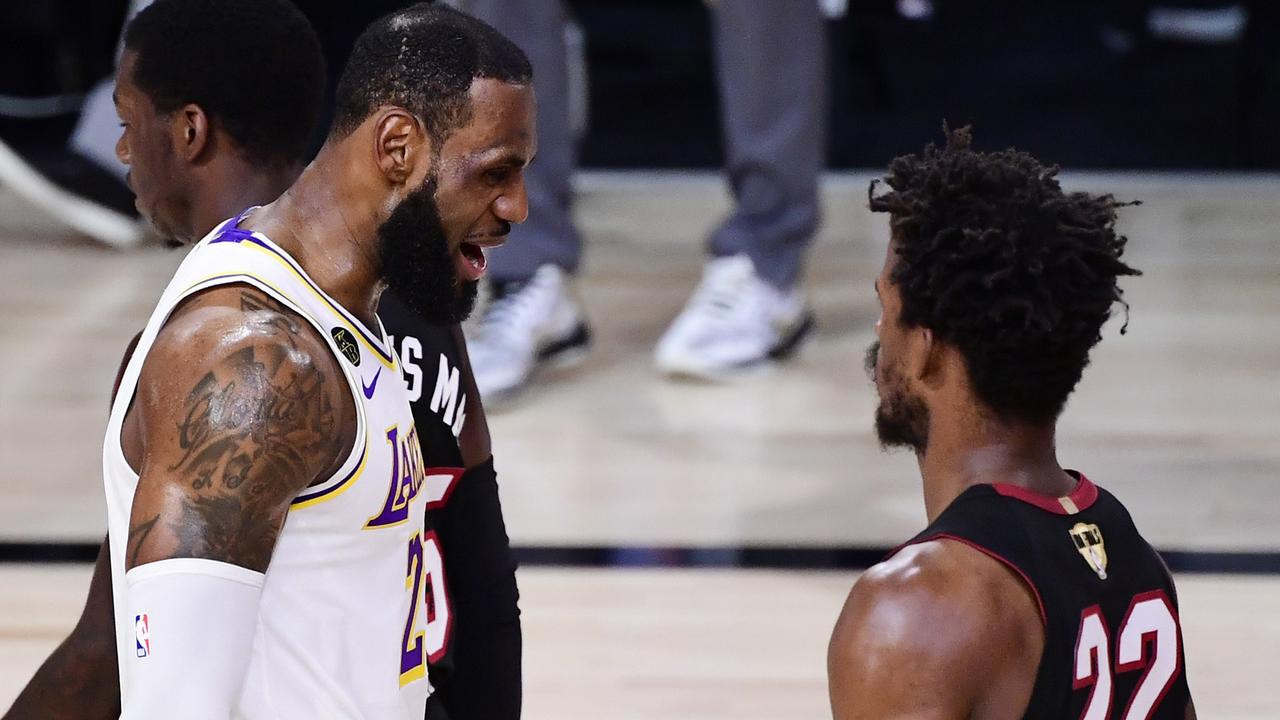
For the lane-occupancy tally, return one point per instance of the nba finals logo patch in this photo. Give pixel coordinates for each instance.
(347, 345)
(1088, 540)
(142, 635)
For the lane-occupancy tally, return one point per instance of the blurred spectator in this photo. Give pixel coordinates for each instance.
(771, 65)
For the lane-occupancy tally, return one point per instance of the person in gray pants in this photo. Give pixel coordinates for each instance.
(771, 65)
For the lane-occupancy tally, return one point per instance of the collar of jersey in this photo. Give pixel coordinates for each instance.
(1080, 498)
(230, 232)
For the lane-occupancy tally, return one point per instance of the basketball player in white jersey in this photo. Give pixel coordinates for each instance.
(263, 473)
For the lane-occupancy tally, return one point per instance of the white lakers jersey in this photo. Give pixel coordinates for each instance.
(340, 632)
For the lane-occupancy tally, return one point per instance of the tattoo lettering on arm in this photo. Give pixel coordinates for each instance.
(138, 535)
(261, 419)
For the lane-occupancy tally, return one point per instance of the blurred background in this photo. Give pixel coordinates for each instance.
(670, 530)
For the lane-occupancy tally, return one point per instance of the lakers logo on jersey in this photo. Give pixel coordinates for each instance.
(346, 344)
(1088, 540)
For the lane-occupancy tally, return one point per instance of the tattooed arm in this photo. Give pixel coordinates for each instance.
(240, 405)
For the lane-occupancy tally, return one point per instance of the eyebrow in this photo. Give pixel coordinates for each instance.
(115, 99)
(877, 284)
(513, 159)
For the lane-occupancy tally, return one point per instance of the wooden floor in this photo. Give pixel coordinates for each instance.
(709, 644)
(1180, 418)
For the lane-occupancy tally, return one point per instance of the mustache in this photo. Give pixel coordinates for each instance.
(871, 359)
(502, 230)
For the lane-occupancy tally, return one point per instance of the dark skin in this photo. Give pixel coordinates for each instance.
(928, 609)
(217, 488)
(187, 173)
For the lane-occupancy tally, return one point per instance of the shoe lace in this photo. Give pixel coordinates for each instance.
(722, 291)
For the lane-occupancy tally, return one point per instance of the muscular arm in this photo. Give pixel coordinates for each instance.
(486, 679)
(918, 639)
(240, 407)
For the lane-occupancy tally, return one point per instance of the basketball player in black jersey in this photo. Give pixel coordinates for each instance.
(231, 144)
(1030, 594)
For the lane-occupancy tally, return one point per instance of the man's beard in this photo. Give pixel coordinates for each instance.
(902, 419)
(417, 264)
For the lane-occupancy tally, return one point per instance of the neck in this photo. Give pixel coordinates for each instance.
(234, 186)
(323, 223)
(968, 451)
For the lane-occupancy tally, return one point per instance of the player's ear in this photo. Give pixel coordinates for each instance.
(190, 127)
(925, 356)
(936, 362)
(402, 146)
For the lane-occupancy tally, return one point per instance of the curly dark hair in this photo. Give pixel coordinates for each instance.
(423, 58)
(254, 66)
(999, 262)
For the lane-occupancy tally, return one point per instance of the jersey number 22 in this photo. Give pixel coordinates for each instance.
(1148, 639)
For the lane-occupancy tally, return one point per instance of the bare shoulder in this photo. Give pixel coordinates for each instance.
(933, 632)
(926, 597)
(234, 356)
(241, 405)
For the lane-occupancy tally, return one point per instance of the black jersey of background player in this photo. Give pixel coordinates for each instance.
(429, 357)
(1113, 644)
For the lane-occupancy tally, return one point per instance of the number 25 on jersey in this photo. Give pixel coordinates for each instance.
(425, 581)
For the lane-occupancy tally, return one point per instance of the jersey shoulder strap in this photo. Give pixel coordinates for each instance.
(982, 519)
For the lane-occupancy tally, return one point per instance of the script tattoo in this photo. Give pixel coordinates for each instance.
(260, 421)
(138, 535)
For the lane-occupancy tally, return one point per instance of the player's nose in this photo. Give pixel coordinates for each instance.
(513, 204)
(122, 150)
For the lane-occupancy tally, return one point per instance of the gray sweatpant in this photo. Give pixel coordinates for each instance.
(771, 64)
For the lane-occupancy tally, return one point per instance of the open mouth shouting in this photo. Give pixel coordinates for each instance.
(471, 258)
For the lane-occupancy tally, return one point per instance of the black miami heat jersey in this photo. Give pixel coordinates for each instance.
(429, 358)
(1113, 643)
(466, 531)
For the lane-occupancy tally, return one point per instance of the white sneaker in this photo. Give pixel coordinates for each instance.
(734, 321)
(525, 325)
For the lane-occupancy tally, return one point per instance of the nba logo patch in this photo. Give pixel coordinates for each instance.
(142, 635)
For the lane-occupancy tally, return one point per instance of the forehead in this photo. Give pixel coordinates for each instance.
(502, 121)
(126, 92)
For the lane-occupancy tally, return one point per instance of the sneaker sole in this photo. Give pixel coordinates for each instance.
(566, 353)
(785, 349)
(96, 221)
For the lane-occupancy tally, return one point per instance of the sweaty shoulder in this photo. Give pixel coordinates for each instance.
(239, 406)
(231, 365)
(939, 630)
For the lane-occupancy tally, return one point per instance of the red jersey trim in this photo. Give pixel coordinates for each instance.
(1044, 616)
(1084, 495)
